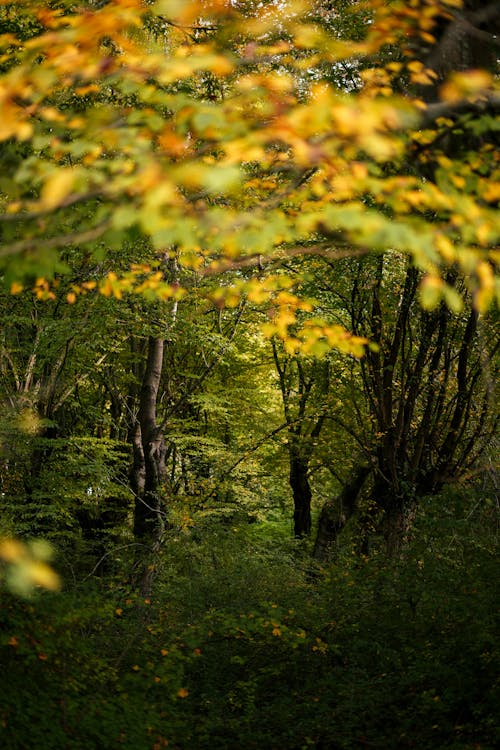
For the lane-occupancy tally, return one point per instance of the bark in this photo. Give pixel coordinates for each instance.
(430, 413)
(470, 38)
(398, 508)
(137, 472)
(299, 387)
(335, 514)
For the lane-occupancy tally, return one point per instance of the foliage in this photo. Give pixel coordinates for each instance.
(244, 647)
(248, 256)
(24, 566)
(217, 130)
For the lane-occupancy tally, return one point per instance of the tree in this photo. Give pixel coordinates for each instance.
(300, 381)
(429, 411)
(235, 140)
(427, 383)
(138, 146)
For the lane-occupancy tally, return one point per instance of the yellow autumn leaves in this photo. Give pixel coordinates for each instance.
(227, 145)
(26, 566)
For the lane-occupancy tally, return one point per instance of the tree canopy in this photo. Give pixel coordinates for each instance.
(236, 136)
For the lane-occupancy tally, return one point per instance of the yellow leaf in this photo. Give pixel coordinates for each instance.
(484, 296)
(492, 192)
(430, 292)
(41, 574)
(57, 187)
(11, 550)
(466, 85)
(182, 693)
(444, 246)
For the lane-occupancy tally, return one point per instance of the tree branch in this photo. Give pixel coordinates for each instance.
(60, 241)
(447, 109)
(282, 256)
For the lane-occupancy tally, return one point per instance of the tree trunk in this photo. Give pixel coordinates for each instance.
(394, 524)
(302, 495)
(148, 468)
(300, 385)
(335, 514)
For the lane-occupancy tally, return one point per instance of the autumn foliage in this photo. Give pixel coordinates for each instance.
(236, 136)
(248, 346)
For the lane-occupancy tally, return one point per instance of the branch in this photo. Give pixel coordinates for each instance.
(60, 241)
(446, 109)
(282, 256)
(182, 27)
(70, 200)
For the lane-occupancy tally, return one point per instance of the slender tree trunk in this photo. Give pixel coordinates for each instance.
(302, 495)
(137, 472)
(299, 385)
(148, 468)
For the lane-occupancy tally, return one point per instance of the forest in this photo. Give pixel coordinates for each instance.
(249, 293)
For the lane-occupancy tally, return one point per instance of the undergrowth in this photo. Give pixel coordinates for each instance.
(246, 645)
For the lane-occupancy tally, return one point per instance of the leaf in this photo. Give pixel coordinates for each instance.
(57, 187)
(41, 574)
(27, 567)
(431, 291)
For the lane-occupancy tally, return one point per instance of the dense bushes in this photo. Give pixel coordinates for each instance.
(245, 646)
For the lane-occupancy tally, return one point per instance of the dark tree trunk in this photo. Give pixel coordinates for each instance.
(398, 510)
(302, 495)
(335, 514)
(467, 39)
(300, 385)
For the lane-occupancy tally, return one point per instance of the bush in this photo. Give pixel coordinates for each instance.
(243, 648)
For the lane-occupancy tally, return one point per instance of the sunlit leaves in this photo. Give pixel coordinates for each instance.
(211, 128)
(468, 85)
(433, 290)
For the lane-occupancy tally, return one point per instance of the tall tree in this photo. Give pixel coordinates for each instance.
(429, 409)
(304, 385)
